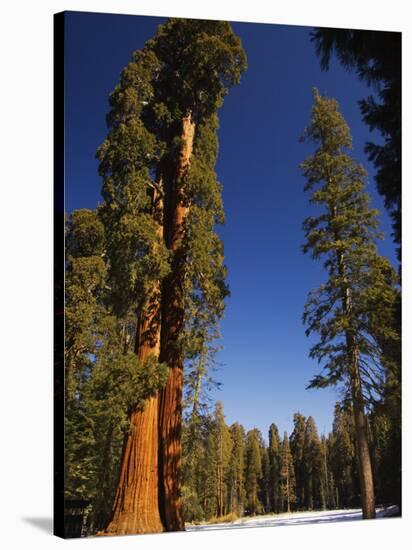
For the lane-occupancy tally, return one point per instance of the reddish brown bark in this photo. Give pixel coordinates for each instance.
(170, 399)
(135, 508)
(136, 503)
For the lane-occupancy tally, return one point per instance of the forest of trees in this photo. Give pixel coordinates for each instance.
(146, 288)
(230, 472)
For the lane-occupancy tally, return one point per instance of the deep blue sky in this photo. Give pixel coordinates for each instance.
(265, 351)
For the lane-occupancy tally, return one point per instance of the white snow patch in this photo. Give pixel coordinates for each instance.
(294, 518)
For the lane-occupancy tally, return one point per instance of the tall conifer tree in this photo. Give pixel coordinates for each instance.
(162, 200)
(287, 476)
(297, 442)
(312, 466)
(274, 468)
(376, 58)
(360, 283)
(236, 480)
(343, 456)
(253, 472)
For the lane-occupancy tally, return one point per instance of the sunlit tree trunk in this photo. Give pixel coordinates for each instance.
(362, 445)
(136, 503)
(361, 435)
(170, 398)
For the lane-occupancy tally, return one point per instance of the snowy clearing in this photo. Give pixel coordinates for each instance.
(294, 518)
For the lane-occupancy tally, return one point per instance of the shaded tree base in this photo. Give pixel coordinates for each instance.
(128, 524)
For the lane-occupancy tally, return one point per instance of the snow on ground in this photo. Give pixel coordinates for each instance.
(294, 518)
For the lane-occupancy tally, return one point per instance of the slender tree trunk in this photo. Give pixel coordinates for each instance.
(136, 503)
(362, 446)
(170, 399)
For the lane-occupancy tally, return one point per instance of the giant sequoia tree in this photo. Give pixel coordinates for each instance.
(161, 202)
(360, 284)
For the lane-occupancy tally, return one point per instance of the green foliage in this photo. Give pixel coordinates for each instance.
(297, 445)
(207, 466)
(128, 160)
(326, 492)
(187, 67)
(264, 486)
(259, 478)
(312, 467)
(117, 257)
(193, 439)
(202, 59)
(104, 379)
(385, 427)
(236, 473)
(343, 463)
(85, 235)
(361, 284)
(376, 58)
(274, 451)
(287, 476)
(253, 472)
(84, 286)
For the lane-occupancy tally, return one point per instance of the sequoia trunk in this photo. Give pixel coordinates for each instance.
(136, 503)
(170, 398)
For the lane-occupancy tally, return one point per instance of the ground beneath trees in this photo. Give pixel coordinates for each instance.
(296, 518)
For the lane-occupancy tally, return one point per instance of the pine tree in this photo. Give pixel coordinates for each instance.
(386, 419)
(253, 472)
(85, 284)
(333, 497)
(193, 450)
(207, 467)
(264, 488)
(236, 481)
(342, 457)
(376, 58)
(161, 201)
(84, 313)
(208, 478)
(224, 446)
(297, 441)
(360, 283)
(274, 468)
(326, 501)
(312, 466)
(287, 476)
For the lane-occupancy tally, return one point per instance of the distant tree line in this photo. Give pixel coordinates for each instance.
(230, 472)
